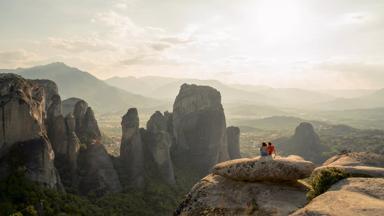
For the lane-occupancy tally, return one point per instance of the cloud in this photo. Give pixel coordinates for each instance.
(93, 44)
(17, 57)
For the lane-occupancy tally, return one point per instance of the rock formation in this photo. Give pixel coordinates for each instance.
(23, 139)
(86, 124)
(228, 190)
(351, 196)
(305, 142)
(158, 143)
(97, 173)
(131, 149)
(68, 105)
(50, 89)
(357, 163)
(199, 128)
(233, 140)
(259, 169)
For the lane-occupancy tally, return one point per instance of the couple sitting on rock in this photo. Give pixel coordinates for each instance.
(267, 150)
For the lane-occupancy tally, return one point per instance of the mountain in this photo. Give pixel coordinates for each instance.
(373, 100)
(73, 82)
(168, 88)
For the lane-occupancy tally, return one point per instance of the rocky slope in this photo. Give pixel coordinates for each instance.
(234, 188)
(352, 197)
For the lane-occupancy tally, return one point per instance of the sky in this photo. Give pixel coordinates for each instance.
(314, 44)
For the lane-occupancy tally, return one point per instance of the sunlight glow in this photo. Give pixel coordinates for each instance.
(277, 21)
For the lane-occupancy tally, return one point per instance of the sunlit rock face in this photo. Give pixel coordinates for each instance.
(50, 89)
(131, 148)
(23, 139)
(158, 142)
(233, 140)
(351, 196)
(199, 127)
(217, 195)
(356, 163)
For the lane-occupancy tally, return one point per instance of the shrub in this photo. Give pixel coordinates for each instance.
(324, 179)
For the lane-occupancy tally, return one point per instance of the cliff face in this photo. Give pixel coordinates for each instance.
(23, 137)
(233, 139)
(199, 127)
(131, 148)
(158, 142)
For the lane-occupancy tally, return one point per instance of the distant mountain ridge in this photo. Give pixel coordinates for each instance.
(73, 82)
(167, 88)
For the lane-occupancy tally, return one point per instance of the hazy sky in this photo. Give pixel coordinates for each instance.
(281, 43)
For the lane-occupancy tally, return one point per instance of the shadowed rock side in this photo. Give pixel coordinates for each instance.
(305, 142)
(87, 128)
(159, 144)
(351, 196)
(131, 148)
(233, 140)
(358, 163)
(23, 139)
(68, 105)
(245, 190)
(199, 128)
(97, 173)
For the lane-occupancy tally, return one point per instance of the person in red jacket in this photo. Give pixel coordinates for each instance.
(271, 149)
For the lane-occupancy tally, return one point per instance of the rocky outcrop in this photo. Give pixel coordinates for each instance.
(291, 168)
(216, 195)
(23, 138)
(50, 89)
(56, 127)
(250, 187)
(199, 128)
(131, 149)
(352, 197)
(357, 163)
(97, 173)
(158, 143)
(87, 128)
(233, 140)
(305, 143)
(68, 105)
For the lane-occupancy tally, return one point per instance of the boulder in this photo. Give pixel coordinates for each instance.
(199, 128)
(131, 148)
(159, 144)
(217, 195)
(357, 163)
(351, 196)
(280, 169)
(97, 173)
(23, 138)
(233, 140)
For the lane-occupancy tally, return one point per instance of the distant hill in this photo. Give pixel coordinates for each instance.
(167, 88)
(373, 100)
(73, 82)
